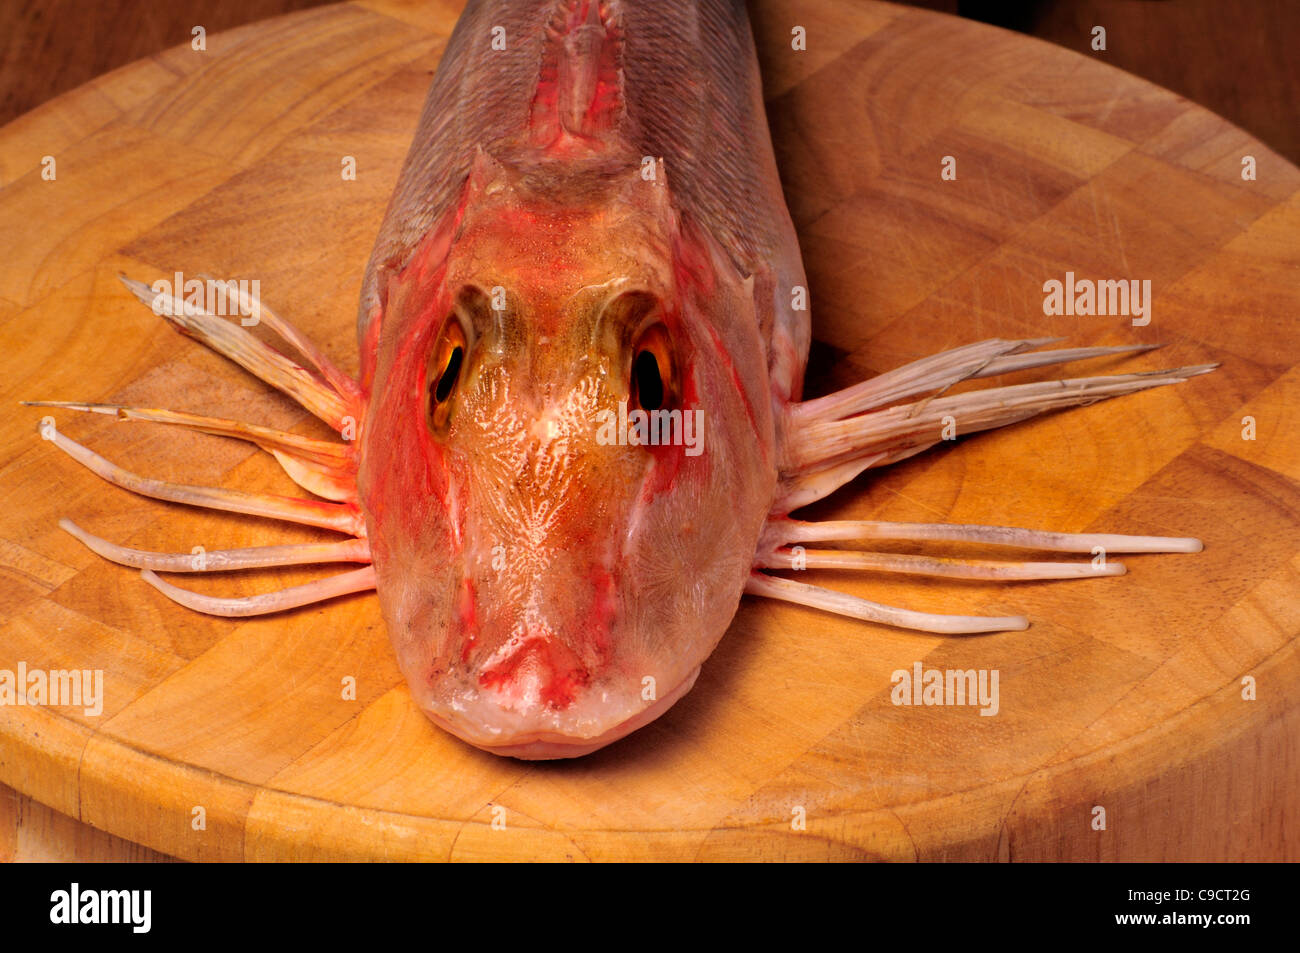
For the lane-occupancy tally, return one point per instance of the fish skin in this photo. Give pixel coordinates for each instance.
(693, 98)
(546, 594)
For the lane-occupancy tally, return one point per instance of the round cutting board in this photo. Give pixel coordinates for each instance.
(1148, 716)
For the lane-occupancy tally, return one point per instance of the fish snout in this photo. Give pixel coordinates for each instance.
(489, 715)
(541, 671)
(547, 630)
(535, 669)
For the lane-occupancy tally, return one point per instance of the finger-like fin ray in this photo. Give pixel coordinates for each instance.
(222, 560)
(833, 439)
(932, 566)
(358, 580)
(796, 531)
(323, 452)
(325, 468)
(840, 603)
(343, 517)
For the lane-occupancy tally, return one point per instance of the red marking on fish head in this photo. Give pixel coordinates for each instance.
(547, 577)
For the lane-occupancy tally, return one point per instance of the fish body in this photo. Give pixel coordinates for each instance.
(577, 434)
(602, 168)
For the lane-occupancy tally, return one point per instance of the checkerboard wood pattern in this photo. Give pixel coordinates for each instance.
(1125, 693)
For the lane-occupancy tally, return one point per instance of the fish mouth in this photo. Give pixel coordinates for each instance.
(550, 737)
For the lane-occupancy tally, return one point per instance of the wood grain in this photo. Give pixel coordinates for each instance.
(1125, 693)
(49, 47)
(32, 832)
(1236, 60)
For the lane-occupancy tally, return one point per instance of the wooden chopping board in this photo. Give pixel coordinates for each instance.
(1125, 694)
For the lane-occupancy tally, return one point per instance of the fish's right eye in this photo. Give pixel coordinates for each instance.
(447, 360)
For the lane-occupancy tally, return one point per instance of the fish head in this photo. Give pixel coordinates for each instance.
(566, 462)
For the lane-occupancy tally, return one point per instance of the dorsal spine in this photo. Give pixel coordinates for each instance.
(580, 76)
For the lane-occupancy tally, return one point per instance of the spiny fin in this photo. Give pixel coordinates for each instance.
(312, 390)
(580, 77)
(836, 437)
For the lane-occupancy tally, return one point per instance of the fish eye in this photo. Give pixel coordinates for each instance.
(653, 383)
(446, 361)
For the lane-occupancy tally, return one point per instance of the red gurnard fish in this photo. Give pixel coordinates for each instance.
(577, 433)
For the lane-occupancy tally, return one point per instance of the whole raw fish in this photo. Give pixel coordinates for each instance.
(577, 433)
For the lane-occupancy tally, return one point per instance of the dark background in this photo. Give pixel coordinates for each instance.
(1238, 58)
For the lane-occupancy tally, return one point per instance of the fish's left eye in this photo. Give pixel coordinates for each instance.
(447, 359)
(653, 382)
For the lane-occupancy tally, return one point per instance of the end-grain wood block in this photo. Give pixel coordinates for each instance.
(1125, 694)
